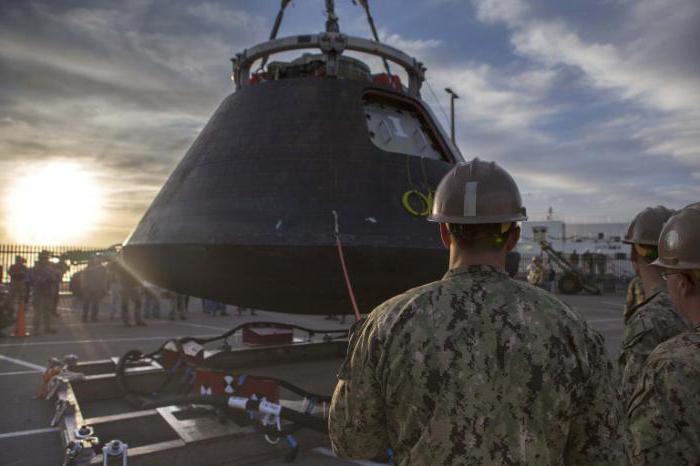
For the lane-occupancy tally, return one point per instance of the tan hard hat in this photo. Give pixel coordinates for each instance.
(477, 192)
(679, 243)
(646, 226)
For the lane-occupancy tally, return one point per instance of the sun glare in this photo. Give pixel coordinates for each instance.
(53, 203)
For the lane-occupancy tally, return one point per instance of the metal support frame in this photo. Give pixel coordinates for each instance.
(453, 96)
(331, 18)
(332, 45)
(180, 435)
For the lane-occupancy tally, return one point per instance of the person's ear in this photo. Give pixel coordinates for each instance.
(634, 257)
(685, 285)
(513, 238)
(445, 235)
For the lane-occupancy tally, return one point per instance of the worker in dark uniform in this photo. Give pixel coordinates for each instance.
(19, 281)
(42, 278)
(94, 286)
(130, 295)
(477, 368)
(178, 306)
(655, 320)
(664, 414)
(7, 313)
(61, 268)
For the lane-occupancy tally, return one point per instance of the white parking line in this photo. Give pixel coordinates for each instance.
(20, 362)
(210, 327)
(91, 324)
(22, 433)
(101, 340)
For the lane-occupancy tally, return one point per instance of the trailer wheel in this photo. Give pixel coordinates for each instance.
(569, 283)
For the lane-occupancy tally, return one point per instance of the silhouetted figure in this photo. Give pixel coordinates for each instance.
(179, 306)
(574, 259)
(61, 268)
(131, 294)
(42, 278)
(19, 280)
(94, 285)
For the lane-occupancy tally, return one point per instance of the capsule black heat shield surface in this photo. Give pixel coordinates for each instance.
(246, 217)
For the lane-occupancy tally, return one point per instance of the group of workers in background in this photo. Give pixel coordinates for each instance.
(478, 368)
(135, 300)
(42, 282)
(126, 292)
(132, 299)
(40, 287)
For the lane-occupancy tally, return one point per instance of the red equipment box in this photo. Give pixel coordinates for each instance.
(267, 335)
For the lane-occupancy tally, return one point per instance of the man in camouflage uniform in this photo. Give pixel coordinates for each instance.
(61, 268)
(635, 295)
(130, 287)
(19, 279)
(664, 414)
(93, 285)
(42, 278)
(654, 320)
(477, 368)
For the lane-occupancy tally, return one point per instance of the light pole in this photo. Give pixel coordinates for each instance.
(453, 96)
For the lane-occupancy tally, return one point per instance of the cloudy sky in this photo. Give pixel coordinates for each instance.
(593, 105)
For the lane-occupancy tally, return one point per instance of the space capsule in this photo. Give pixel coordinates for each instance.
(301, 150)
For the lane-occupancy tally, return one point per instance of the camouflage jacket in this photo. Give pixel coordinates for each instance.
(652, 323)
(477, 369)
(42, 278)
(664, 414)
(635, 296)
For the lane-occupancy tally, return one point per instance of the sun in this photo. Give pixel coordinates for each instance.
(54, 203)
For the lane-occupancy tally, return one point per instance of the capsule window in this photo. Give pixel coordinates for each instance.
(396, 127)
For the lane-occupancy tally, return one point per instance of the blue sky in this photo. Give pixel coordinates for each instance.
(592, 105)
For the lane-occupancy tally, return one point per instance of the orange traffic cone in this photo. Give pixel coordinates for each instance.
(21, 324)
